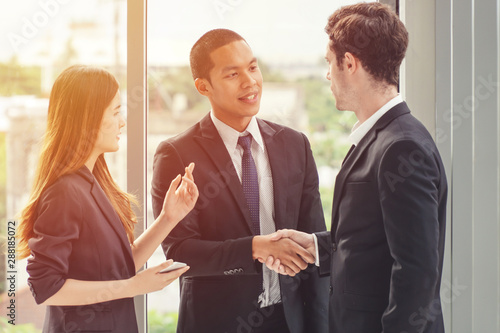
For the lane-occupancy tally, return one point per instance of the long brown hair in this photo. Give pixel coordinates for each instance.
(77, 102)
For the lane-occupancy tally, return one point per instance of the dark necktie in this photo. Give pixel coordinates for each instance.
(250, 182)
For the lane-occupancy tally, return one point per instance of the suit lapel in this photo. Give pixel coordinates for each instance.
(108, 211)
(210, 140)
(277, 153)
(352, 159)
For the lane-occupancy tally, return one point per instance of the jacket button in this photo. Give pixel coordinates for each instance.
(334, 247)
(331, 290)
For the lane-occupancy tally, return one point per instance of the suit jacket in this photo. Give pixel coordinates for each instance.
(385, 249)
(220, 291)
(78, 235)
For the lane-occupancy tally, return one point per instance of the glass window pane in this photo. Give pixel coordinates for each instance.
(39, 40)
(288, 39)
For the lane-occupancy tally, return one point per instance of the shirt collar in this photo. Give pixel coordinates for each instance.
(230, 136)
(360, 130)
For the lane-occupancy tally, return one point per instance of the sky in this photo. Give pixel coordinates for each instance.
(278, 30)
(285, 31)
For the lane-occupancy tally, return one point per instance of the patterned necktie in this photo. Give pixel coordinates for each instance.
(250, 182)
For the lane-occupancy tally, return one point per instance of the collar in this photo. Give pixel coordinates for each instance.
(230, 136)
(360, 130)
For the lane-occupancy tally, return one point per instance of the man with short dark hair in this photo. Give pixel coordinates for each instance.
(384, 253)
(254, 177)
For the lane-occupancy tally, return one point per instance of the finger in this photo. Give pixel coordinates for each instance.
(289, 271)
(304, 255)
(269, 262)
(172, 275)
(188, 183)
(276, 265)
(189, 171)
(291, 264)
(174, 184)
(163, 265)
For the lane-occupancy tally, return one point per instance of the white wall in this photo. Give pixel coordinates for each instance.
(457, 43)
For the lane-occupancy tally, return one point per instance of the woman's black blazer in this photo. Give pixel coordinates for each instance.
(78, 235)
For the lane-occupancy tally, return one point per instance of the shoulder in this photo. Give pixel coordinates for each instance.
(277, 129)
(406, 132)
(69, 188)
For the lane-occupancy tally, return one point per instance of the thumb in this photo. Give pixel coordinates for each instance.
(283, 233)
(163, 265)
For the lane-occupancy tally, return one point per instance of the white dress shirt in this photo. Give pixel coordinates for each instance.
(271, 294)
(359, 130)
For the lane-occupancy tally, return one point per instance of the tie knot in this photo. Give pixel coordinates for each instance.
(245, 142)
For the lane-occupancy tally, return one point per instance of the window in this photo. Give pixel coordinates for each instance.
(40, 39)
(289, 43)
(44, 37)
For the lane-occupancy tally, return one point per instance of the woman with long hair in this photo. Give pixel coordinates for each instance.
(78, 225)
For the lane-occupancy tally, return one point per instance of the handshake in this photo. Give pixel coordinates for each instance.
(286, 251)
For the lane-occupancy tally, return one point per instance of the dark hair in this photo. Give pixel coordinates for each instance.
(199, 58)
(374, 34)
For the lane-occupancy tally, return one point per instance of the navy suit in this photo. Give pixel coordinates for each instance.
(385, 248)
(78, 235)
(219, 293)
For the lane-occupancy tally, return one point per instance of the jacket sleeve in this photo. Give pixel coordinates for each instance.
(55, 228)
(314, 288)
(409, 179)
(185, 243)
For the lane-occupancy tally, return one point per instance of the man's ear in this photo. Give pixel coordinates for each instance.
(202, 85)
(351, 63)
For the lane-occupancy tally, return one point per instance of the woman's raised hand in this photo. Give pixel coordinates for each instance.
(180, 200)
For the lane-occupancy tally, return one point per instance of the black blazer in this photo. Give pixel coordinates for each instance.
(219, 293)
(385, 250)
(78, 235)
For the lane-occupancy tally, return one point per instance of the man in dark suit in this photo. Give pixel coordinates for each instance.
(254, 177)
(385, 250)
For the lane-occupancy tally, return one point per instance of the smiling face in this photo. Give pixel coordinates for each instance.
(111, 125)
(235, 86)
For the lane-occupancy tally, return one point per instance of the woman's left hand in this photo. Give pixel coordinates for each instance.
(180, 200)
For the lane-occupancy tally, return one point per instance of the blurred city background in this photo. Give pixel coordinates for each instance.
(41, 38)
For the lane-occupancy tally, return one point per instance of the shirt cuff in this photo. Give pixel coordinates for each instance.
(316, 256)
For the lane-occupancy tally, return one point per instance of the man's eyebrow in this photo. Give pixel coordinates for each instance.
(229, 68)
(118, 106)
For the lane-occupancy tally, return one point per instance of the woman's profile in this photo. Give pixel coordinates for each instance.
(78, 225)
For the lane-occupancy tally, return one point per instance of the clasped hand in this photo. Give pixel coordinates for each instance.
(286, 251)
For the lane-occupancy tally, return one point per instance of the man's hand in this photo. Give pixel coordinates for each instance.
(303, 239)
(291, 255)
